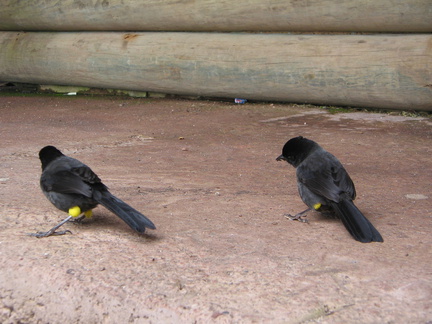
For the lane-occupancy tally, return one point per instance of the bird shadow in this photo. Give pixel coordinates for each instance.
(106, 221)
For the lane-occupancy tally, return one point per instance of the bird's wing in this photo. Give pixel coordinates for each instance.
(65, 182)
(327, 178)
(86, 174)
(70, 176)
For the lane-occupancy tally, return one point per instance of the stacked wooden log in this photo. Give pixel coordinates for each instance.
(375, 53)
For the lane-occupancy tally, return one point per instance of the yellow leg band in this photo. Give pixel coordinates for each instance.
(88, 213)
(317, 206)
(75, 211)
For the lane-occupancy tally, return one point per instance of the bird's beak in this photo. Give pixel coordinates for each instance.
(281, 158)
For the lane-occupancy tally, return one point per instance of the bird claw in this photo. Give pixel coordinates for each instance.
(61, 232)
(53, 231)
(297, 217)
(49, 233)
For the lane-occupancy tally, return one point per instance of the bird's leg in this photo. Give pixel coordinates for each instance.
(52, 231)
(298, 216)
(77, 220)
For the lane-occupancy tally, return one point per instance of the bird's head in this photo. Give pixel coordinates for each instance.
(296, 150)
(48, 154)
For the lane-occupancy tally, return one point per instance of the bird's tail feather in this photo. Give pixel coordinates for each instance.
(356, 223)
(129, 215)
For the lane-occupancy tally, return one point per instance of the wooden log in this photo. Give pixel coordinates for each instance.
(216, 15)
(380, 71)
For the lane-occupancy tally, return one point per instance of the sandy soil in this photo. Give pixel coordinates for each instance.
(205, 173)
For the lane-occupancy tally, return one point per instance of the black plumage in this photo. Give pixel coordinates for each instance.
(68, 183)
(323, 183)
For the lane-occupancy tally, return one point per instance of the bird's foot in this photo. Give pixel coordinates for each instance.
(53, 231)
(49, 233)
(297, 217)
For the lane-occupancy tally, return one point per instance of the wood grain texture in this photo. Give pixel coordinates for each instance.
(216, 15)
(381, 71)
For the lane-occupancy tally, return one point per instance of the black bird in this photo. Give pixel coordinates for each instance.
(324, 184)
(74, 188)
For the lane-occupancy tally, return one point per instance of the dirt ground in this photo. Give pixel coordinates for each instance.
(205, 173)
